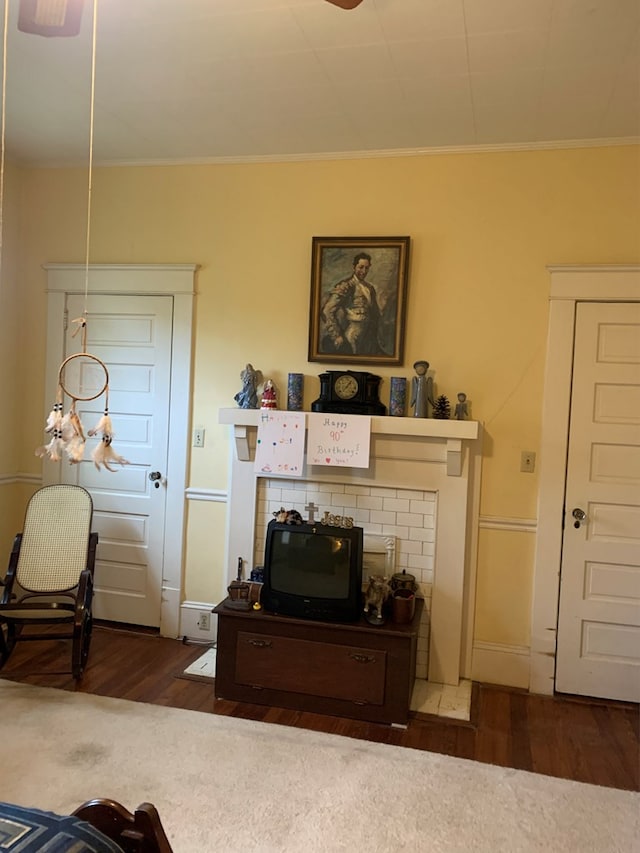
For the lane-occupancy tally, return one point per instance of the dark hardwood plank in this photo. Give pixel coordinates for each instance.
(570, 737)
(493, 744)
(520, 732)
(621, 740)
(548, 745)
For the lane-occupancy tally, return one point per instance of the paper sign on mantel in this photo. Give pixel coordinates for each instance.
(341, 441)
(280, 443)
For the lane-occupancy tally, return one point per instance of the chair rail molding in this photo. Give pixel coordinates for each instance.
(197, 493)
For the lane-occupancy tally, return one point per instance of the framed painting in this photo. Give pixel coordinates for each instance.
(358, 299)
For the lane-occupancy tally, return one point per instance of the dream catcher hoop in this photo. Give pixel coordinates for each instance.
(66, 429)
(77, 397)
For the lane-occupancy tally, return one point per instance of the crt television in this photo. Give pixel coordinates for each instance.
(313, 571)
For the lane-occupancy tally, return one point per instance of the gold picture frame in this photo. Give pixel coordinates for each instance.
(358, 299)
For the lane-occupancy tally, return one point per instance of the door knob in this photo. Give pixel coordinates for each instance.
(580, 515)
(155, 477)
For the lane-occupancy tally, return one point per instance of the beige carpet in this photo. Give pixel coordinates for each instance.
(224, 784)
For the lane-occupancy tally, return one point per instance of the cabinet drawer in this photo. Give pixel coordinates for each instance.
(351, 673)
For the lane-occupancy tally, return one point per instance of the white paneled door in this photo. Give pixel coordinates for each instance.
(598, 651)
(132, 335)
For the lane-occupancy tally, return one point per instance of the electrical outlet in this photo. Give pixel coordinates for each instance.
(198, 438)
(528, 461)
(204, 621)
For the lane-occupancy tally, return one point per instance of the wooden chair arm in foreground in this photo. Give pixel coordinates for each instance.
(141, 832)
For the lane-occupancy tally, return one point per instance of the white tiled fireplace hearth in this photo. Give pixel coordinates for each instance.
(417, 503)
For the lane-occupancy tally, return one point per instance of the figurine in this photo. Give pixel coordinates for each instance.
(421, 390)
(247, 397)
(376, 595)
(288, 516)
(462, 410)
(269, 400)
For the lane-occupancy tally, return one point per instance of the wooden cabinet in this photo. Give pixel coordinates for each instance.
(351, 670)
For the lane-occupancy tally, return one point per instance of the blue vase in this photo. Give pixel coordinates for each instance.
(398, 397)
(295, 387)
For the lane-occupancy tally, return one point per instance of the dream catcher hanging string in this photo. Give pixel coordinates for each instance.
(66, 429)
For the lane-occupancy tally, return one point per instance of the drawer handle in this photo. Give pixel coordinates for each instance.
(362, 658)
(260, 644)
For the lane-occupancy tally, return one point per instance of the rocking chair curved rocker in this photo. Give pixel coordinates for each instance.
(50, 575)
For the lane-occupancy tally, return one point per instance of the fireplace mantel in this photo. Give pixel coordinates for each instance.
(439, 456)
(450, 433)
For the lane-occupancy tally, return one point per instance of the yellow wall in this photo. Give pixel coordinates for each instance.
(504, 587)
(14, 329)
(483, 227)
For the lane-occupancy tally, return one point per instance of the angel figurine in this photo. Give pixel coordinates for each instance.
(421, 390)
(247, 396)
(462, 407)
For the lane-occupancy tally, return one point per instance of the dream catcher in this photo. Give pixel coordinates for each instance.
(68, 437)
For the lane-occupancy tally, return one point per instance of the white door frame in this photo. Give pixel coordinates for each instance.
(569, 285)
(178, 281)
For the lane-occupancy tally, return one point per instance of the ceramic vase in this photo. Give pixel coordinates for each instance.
(398, 397)
(295, 388)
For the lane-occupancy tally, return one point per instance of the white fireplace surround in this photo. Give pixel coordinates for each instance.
(411, 454)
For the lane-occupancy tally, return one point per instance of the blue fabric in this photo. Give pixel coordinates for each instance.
(34, 831)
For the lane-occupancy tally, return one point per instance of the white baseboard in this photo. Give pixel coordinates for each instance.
(495, 663)
(190, 614)
(169, 612)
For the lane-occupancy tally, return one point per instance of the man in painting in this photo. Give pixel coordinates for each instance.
(351, 315)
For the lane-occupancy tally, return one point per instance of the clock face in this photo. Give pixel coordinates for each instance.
(346, 386)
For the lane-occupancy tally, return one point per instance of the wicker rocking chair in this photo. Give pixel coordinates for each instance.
(50, 575)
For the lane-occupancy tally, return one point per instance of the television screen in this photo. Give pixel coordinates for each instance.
(315, 565)
(313, 571)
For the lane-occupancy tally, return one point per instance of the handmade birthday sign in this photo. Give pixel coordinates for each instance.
(280, 443)
(341, 441)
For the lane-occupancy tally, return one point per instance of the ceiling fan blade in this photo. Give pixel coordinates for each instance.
(345, 4)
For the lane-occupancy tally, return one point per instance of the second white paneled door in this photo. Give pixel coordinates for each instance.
(598, 647)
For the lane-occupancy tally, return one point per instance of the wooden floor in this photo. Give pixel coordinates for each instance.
(585, 740)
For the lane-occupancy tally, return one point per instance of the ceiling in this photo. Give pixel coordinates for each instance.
(246, 80)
